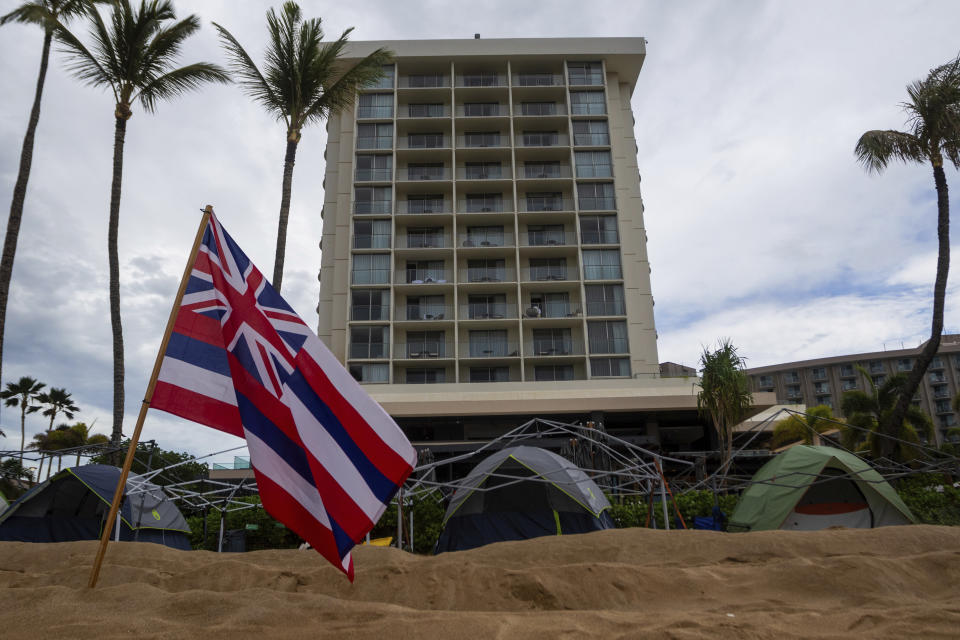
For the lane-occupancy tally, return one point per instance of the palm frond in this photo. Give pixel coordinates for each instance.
(876, 149)
(340, 94)
(162, 49)
(250, 79)
(31, 13)
(854, 402)
(180, 81)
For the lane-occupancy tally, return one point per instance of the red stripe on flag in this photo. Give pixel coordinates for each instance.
(196, 407)
(282, 506)
(268, 404)
(284, 315)
(388, 461)
(203, 263)
(202, 328)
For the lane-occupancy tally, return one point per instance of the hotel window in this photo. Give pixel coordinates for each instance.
(421, 271)
(848, 385)
(425, 307)
(386, 81)
(425, 344)
(591, 133)
(426, 376)
(539, 235)
(425, 203)
(538, 108)
(540, 79)
(599, 230)
(791, 377)
(585, 73)
(548, 268)
(478, 109)
(482, 170)
(825, 401)
(552, 373)
(593, 164)
(605, 300)
(879, 380)
(482, 306)
(486, 270)
(818, 373)
(369, 342)
(587, 103)
(607, 336)
(425, 171)
(371, 234)
(876, 366)
(425, 140)
(480, 202)
(375, 105)
(489, 344)
(374, 167)
(372, 373)
(426, 80)
(949, 420)
(943, 406)
(905, 364)
(424, 237)
(540, 138)
(847, 371)
(481, 139)
(542, 169)
(371, 268)
(937, 376)
(610, 367)
(425, 110)
(550, 305)
(793, 392)
(596, 196)
(544, 201)
(372, 200)
(936, 363)
(370, 304)
(552, 342)
(765, 381)
(601, 264)
(486, 236)
(489, 374)
(480, 79)
(375, 136)
(821, 387)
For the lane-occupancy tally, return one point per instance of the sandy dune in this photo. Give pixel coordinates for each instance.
(884, 583)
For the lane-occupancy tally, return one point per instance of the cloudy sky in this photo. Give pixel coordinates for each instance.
(761, 225)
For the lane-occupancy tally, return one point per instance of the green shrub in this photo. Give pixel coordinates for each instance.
(932, 498)
(633, 513)
(263, 531)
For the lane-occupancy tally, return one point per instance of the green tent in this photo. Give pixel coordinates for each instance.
(808, 488)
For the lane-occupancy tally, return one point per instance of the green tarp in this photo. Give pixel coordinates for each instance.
(799, 487)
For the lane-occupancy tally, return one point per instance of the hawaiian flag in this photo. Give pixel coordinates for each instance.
(327, 457)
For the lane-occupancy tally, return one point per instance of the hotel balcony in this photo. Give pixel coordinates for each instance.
(488, 311)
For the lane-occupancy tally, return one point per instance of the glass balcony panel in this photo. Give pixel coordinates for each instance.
(373, 206)
(591, 139)
(597, 204)
(423, 276)
(602, 272)
(369, 312)
(537, 79)
(605, 236)
(373, 175)
(376, 112)
(606, 308)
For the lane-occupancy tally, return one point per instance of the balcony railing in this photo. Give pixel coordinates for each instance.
(545, 274)
(483, 206)
(607, 308)
(426, 81)
(407, 111)
(594, 79)
(602, 272)
(424, 206)
(488, 311)
(482, 110)
(424, 142)
(375, 142)
(553, 310)
(591, 139)
(372, 241)
(490, 349)
(423, 241)
(609, 345)
(534, 204)
(937, 377)
(375, 113)
(416, 174)
(423, 276)
(485, 239)
(369, 350)
(373, 175)
(481, 80)
(606, 236)
(547, 238)
(484, 173)
(427, 312)
(543, 139)
(369, 312)
(534, 109)
(556, 347)
(483, 141)
(427, 349)
(941, 392)
(370, 276)
(545, 171)
(597, 204)
(537, 80)
(373, 206)
(487, 274)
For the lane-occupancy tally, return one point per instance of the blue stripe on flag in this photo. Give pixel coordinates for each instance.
(379, 484)
(198, 353)
(340, 537)
(261, 426)
(195, 284)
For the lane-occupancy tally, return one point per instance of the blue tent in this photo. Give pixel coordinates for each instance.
(73, 505)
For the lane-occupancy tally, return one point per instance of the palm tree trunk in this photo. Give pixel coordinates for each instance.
(40, 468)
(284, 211)
(20, 193)
(23, 427)
(119, 136)
(895, 422)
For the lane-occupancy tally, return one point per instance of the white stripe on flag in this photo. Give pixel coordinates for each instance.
(197, 379)
(269, 463)
(328, 453)
(371, 411)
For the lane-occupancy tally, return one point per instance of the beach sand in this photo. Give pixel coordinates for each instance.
(892, 582)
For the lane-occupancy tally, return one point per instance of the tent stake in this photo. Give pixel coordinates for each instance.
(128, 462)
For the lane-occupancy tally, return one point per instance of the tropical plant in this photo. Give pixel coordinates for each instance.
(45, 14)
(303, 81)
(933, 135)
(60, 439)
(135, 58)
(724, 395)
(12, 472)
(868, 420)
(87, 441)
(23, 393)
(41, 442)
(57, 401)
(801, 427)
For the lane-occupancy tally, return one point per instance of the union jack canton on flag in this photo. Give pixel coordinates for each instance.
(327, 458)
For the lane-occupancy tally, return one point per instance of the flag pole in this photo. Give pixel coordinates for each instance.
(148, 396)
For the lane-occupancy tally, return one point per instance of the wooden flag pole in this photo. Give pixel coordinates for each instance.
(148, 396)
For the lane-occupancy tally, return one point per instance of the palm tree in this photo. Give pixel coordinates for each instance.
(724, 394)
(57, 401)
(24, 394)
(933, 122)
(304, 81)
(868, 413)
(61, 438)
(85, 439)
(135, 59)
(801, 428)
(41, 442)
(45, 14)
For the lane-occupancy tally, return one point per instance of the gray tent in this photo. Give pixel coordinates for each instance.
(496, 503)
(73, 505)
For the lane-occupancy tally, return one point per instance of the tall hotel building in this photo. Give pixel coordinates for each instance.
(484, 253)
